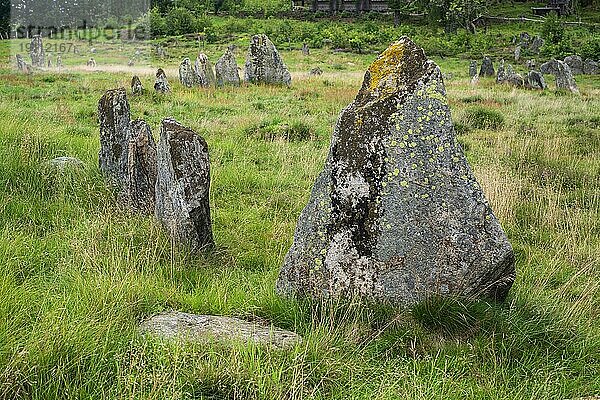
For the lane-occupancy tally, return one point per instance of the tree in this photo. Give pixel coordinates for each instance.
(453, 14)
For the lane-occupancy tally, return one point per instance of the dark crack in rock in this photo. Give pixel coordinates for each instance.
(264, 63)
(184, 326)
(397, 214)
(182, 186)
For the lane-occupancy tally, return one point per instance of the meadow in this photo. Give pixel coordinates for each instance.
(78, 272)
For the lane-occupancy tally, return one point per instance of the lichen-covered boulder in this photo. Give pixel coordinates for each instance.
(226, 70)
(264, 63)
(136, 86)
(535, 44)
(535, 80)
(182, 185)
(161, 84)
(205, 76)
(562, 73)
(36, 52)
(187, 75)
(487, 67)
(517, 53)
(591, 67)
(397, 214)
(575, 63)
(59, 63)
(141, 167)
(114, 119)
(472, 69)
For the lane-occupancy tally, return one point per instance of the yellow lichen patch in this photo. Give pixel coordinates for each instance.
(389, 62)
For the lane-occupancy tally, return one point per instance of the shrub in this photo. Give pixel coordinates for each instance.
(552, 30)
(484, 118)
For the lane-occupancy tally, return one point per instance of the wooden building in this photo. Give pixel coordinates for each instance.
(342, 5)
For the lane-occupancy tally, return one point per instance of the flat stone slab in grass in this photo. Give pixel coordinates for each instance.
(179, 325)
(397, 215)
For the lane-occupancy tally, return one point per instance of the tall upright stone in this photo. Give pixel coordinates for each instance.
(114, 119)
(182, 186)
(487, 67)
(187, 76)
(205, 76)
(562, 73)
(397, 215)
(472, 69)
(21, 64)
(535, 80)
(127, 152)
(264, 63)
(36, 52)
(141, 168)
(226, 70)
(59, 63)
(501, 73)
(161, 84)
(136, 86)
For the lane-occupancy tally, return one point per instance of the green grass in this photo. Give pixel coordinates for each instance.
(78, 273)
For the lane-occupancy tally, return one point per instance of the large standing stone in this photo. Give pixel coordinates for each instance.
(517, 53)
(226, 70)
(487, 67)
(161, 84)
(127, 152)
(187, 76)
(472, 69)
(204, 71)
(591, 67)
(575, 63)
(397, 214)
(535, 80)
(141, 167)
(59, 63)
(264, 64)
(562, 73)
(136, 86)
(113, 116)
(535, 44)
(36, 52)
(182, 186)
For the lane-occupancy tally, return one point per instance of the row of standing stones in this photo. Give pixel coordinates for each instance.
(563, 72)
(264, 65)
(396, 216)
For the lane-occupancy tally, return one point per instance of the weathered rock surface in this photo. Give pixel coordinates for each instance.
(472, 69)
(562, 73)
(517, 53)
(91, 63)
(487, 67)
(205, 76)
(515, 79)
(136, 85)
(530, 64)
(397, 214)
(114, 119)
(184, 326)
(59, 63)
(182, 186)
(161, 84)
(141, 167)
(591, 67)
(264, 63)
(187, 75)
(575, 63)
(305, 49)
(535, 44)
(535, 80)
(36, 52)
(226, 70)
(127, 152)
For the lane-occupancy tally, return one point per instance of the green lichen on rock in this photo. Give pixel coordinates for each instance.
(397, 215)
